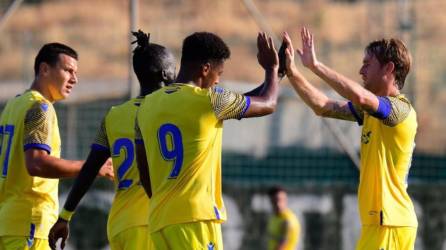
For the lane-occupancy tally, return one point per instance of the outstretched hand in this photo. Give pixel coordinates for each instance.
(289, 54)
(59, 230)
(267, 54)
(307, 54)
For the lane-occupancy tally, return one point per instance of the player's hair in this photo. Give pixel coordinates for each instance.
(49, 54)
(149, 59)
(204, 47)
(392, 50)
(273, 191)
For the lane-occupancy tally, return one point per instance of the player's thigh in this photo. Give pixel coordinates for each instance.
(198, 235)
(404, 237)
(22, 243)
(389, 238)
(132, 238)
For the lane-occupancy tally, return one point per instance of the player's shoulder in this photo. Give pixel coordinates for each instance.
(126, 107)
(40, 104)
(401, 108)
(399, 100)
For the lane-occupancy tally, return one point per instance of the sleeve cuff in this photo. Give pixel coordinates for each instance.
(355, 114)
(248, 103)
(384, 108)
(99, 147)
(45, 147)
(65, 214)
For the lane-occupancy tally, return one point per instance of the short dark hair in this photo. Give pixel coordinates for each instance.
(203, 47)
(149, 59)
(273, 191)
(49, 54)
(392, 50)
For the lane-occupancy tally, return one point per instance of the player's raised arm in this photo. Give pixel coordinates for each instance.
(313, 97)
(346, 87)
(265, 102)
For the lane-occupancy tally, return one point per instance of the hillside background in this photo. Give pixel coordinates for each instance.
(99, 30)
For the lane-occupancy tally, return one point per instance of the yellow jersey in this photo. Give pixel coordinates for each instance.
(283, 227)
(28, 205)
(181, 127)
(117, 135)
(386, 154)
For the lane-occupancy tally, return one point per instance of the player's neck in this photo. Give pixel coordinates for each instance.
(188, 78)
(41, 88)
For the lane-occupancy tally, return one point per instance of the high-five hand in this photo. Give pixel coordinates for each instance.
(307, 54)
(289, 53)
(267, 54)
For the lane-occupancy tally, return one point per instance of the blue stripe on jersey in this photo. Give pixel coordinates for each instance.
(384, 108)
(357, 117)
(45, 147)
(99, 147)
(32, 231)
(217, 213)
(248, 103)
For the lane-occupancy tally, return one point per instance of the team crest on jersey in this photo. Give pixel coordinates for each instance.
(44, 106)
(211, 246)
(365, 137)
(219, 90)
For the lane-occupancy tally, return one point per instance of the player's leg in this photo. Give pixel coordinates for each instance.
(115, 242)
(405, 237)
(370, 238)
(40, 244)
(198, 235)
(136, 238)
(22, 243)
(13, 243)
(389, 238)
(159, 240)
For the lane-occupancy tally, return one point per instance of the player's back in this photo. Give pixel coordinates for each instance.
(130, 204)
(182, 137)
(27, 203)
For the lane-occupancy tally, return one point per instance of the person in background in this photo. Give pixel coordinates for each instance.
(283, 226)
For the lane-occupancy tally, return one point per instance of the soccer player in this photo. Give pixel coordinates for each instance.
(389, 126)
(181, 131)
(283, 226)
(30, 152)
(154, 66)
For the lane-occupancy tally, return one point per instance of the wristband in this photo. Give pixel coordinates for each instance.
(65, 214)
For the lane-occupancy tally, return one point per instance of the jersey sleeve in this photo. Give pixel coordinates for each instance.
(399, 110)
(101, 140)
(227, 104)
(38, 126)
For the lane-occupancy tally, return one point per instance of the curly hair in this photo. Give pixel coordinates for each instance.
(149, 59)
(203, 47)
(395, 51)
(49, 54)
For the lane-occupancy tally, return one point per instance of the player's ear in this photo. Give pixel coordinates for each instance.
(167, 76)
(44, 68)
(389, 67)
(205, 69)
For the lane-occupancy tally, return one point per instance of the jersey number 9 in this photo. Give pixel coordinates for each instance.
(171, 147)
